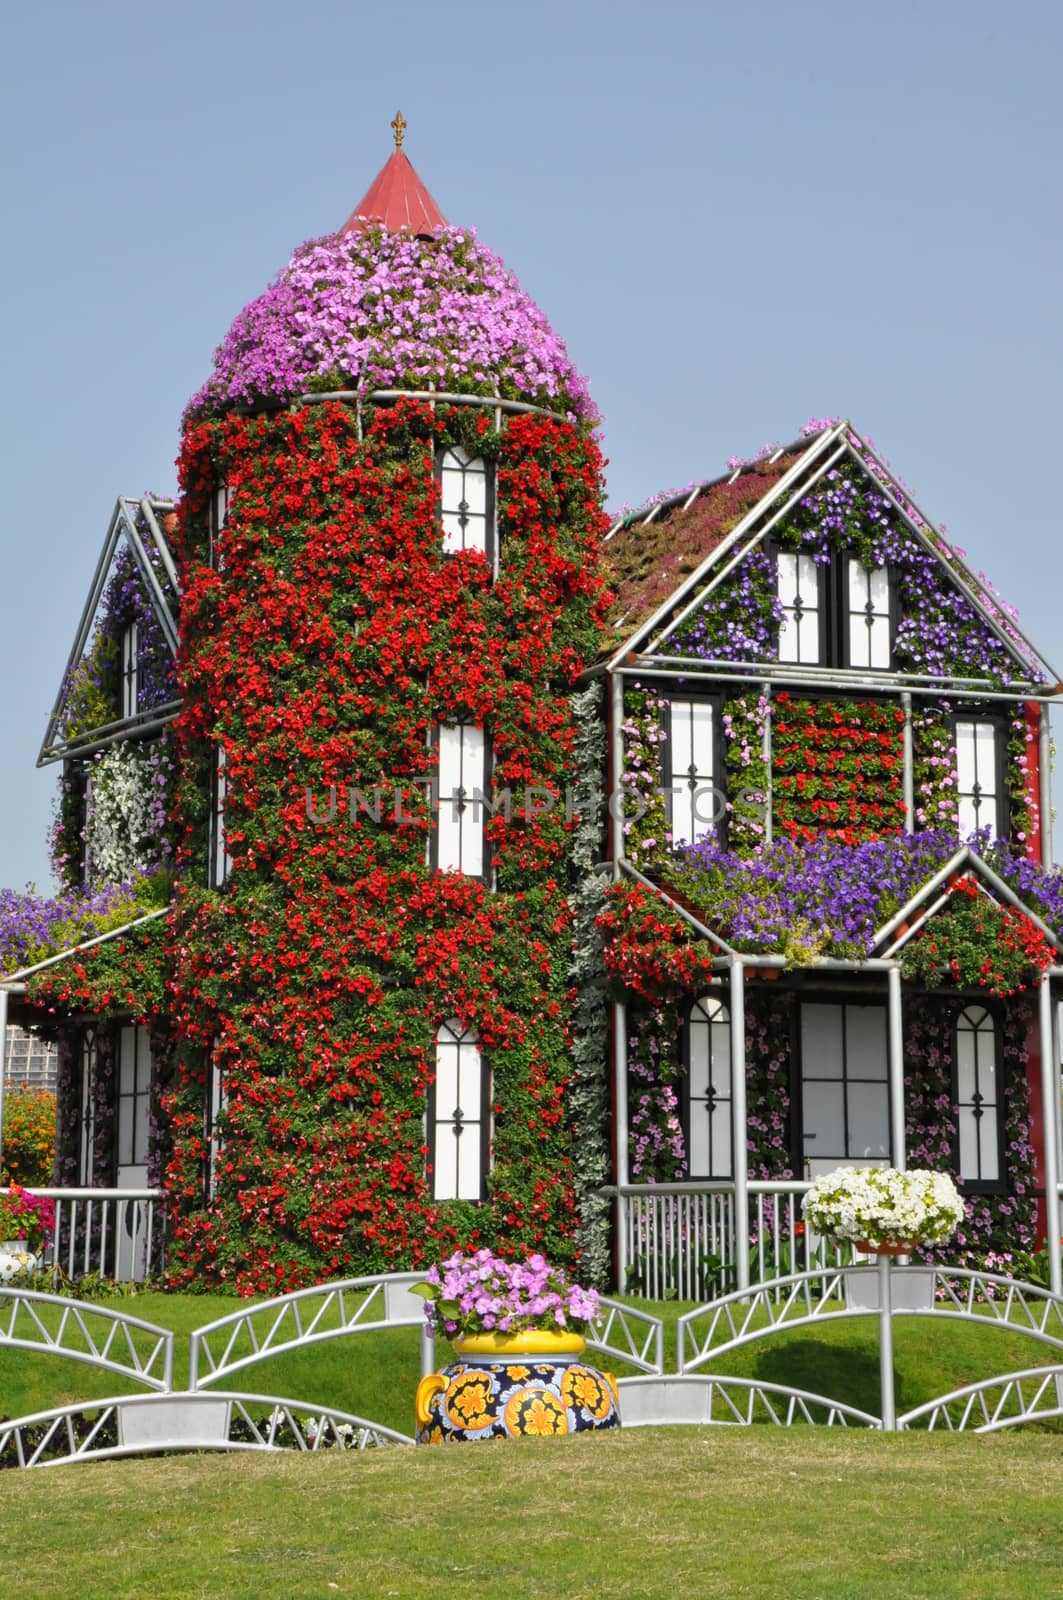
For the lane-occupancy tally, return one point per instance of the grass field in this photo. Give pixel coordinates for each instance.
(649, 1514)
(800, 1514)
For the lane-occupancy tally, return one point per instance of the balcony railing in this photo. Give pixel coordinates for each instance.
(677, 1240)
(117, 1233)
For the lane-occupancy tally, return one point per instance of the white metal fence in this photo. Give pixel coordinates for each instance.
(677, 1240)
(118, 1233)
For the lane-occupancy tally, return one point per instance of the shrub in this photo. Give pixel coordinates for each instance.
(29, 1136)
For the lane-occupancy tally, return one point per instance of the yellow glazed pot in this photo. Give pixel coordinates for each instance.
(506, 1386)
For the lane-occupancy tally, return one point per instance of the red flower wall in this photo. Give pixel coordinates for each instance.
(319, 652)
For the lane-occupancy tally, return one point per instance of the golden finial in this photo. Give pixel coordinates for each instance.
(398, 128)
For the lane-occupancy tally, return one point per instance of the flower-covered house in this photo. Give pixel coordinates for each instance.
(444, 867)
(834, 928)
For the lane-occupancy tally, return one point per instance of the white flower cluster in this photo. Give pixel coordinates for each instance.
(125, 826)
(884, 1206)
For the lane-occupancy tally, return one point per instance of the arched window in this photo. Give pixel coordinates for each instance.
(978, 1098)
(458, 1116)
(708, 1108)
(468, 510)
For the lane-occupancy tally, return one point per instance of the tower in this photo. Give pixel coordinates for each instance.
(387, 555)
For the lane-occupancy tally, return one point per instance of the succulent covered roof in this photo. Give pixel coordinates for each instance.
(374, 308)
(649, 553)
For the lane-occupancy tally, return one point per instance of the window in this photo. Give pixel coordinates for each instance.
(458, 1116)
(217, 1100)
(799, 596)
(977, 1098)
(219, 516)
(130, 671)
(844, 1086)
(468, 510)
(708, 1110)
(835, 613)
(459, 835)
(869, 615)
(220, 860)
(88, 1107)
(979, 786)
(134, 1090)
(690, 760)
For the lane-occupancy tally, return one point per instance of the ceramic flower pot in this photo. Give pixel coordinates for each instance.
(17, 1260)
(527, 1384)
(868, 1247)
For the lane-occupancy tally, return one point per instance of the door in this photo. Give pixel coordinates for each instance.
(844, 1087)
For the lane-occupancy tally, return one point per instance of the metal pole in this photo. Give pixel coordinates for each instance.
(1050, 1135)
(1045, 770)
(620, 1101)
(739, 1136)
(806, 677)
(909, 765)
(898, 1154)
(885, 1344)
(766, 753)
(428, 1350)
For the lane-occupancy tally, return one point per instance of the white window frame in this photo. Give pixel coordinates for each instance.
(467, 503)
(710, 1090)
(220, 860)
(219, 516)
(800, 588)
(692, 769)
(978, 778)
(978, 1099)
(459, 1142)
(458, 842)
(868, 615)
(89, 1064)
(130, 669)
(217, 1100)
(133, 1124)
(854, 1083)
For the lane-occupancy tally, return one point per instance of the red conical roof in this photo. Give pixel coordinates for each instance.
(396, 197)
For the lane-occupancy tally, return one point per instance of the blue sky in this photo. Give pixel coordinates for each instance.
(738, 217)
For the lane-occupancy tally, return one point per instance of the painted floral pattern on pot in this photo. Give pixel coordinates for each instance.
(541, 1397)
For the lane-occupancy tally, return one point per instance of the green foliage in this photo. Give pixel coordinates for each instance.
(29, 1137)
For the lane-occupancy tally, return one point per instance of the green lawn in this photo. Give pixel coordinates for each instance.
(805, 1514)
(649, 1514)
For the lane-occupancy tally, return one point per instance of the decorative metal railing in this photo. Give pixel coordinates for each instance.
(327, 1311)
(707, 1398)
(123, 1425)
(1006, 1401)
(204, 1416)
(103, 1338)
(118, 1233)
(748, 1315)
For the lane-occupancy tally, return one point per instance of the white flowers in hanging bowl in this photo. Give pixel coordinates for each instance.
(881, 1206)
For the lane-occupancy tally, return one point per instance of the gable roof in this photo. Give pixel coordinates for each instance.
(122, 529)
(663, 562)
(934, 894)
(648, 555)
